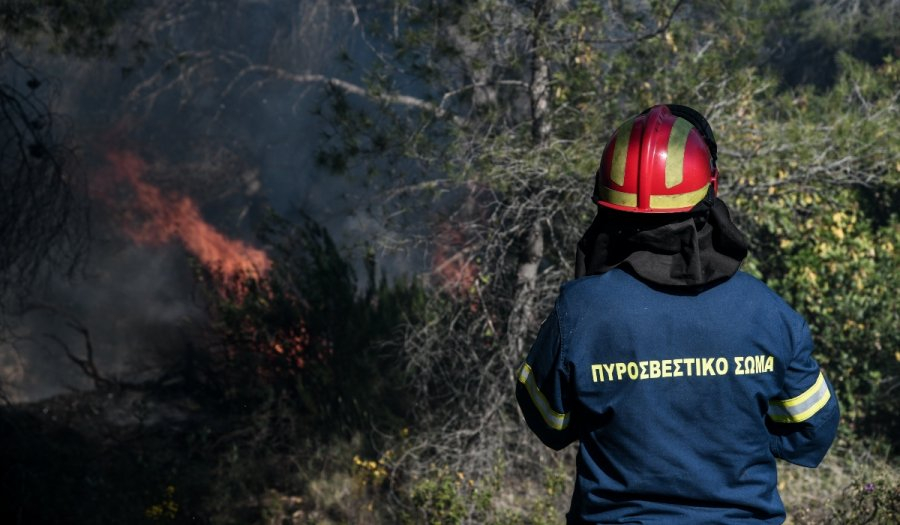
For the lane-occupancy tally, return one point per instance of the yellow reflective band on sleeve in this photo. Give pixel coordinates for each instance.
(800, 408)
(553, 419)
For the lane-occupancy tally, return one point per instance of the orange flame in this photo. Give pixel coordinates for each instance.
(167, 216)
(451, 264)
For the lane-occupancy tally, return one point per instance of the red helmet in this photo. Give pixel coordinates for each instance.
(661, 161)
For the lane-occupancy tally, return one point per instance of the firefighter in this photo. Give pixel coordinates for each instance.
(681, 377)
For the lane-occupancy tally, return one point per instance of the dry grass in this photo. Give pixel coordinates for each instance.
(827, 494)
(833, 493)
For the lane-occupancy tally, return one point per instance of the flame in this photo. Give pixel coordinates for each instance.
(286, 349)
(152, 216)
(451, 263)
(161, 217)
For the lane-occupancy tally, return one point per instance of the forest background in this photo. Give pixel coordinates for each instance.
(276, 262)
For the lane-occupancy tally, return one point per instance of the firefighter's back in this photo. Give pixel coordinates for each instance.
(671, 394)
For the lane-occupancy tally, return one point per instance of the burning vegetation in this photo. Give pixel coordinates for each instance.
(453, 266)
(250, 311)
(152, 217)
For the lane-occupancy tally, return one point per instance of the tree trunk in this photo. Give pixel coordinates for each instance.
(522, 317)
(539, 89)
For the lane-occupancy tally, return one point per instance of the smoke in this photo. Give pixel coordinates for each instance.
(137, 304)
(184, 153)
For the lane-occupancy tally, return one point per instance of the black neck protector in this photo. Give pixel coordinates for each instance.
(687, 251)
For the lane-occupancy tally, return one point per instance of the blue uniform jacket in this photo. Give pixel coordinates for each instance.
(680, 403)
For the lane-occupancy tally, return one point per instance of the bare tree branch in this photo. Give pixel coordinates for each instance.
(43, 216)
(662, 28)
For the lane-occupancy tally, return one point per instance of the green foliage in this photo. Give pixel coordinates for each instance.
(841, 273)
(439, 499)
(444, 497)
(73, 27)
(820, 203)
(806, 52)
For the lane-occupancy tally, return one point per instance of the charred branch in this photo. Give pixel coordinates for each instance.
(85, 364)
(43, 217)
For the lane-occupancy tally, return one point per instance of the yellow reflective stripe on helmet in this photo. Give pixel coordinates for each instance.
(681, 200)
(553, 419)
(619, 198)
(657, 202)
(675, 152)
(620, 153)
(800, 408)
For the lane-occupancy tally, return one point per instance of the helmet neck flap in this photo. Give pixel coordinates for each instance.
(689, 251)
